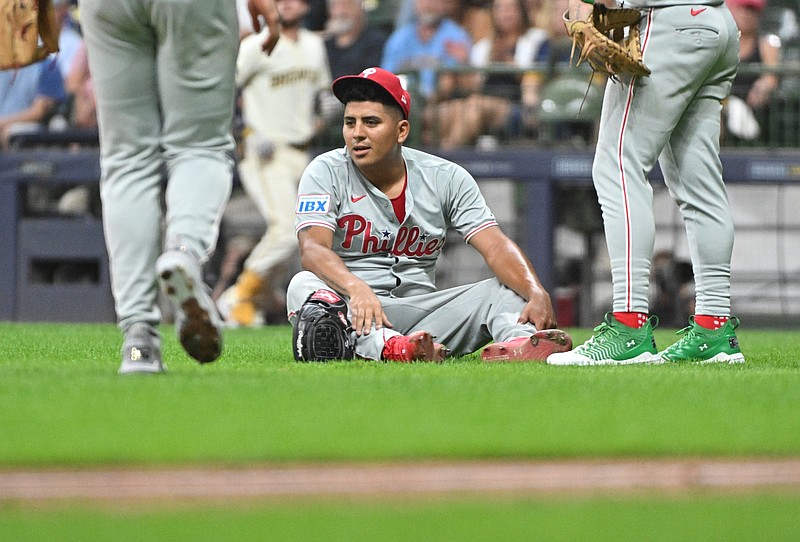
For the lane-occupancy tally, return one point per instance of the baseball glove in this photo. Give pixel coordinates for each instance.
(24, 22)
(322, 330)
(604, 42)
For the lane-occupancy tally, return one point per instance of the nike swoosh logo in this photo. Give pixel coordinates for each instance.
(696, 12)
(356, 199)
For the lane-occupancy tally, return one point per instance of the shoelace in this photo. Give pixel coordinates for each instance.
(689, 332)
(601, 334)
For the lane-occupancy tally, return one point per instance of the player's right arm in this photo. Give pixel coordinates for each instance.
(269, 11)
(318, 257)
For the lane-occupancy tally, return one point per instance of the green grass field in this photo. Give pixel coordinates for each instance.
(63, 405)
(766, 517)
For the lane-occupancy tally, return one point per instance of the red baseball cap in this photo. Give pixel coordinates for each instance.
(383, 78)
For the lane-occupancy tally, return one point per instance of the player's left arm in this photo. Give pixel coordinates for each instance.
(512, 268)
(317, 256)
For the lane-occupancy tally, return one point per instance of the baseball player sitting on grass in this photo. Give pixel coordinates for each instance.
(371, 220)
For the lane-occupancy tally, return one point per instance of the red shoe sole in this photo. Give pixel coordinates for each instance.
(420, 348)
(534, 348)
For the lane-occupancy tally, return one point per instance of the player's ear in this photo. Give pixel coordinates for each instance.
(403, 130)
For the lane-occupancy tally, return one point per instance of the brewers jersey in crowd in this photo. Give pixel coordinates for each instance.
(279, 90)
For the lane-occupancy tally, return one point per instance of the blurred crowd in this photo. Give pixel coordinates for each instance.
(484, 70)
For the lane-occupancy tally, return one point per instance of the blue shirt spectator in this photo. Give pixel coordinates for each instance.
(29, 94)
(69, 37)
(430, 42)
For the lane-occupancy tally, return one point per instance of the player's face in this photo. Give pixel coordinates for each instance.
(373, 132)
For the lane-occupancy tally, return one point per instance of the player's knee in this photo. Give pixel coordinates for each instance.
(302, 285)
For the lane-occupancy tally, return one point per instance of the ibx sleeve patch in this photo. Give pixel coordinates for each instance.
(313, 203)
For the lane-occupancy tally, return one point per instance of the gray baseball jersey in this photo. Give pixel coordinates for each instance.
(398, 259)
(672, 116)
(395, 259)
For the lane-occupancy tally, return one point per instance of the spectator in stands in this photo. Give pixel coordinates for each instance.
(751, 92)
(384, 14)
(473, 15)
(28, 97)
(498, 103)
(79, 85)
(432, 41)
(351, 44)
(69, 37)
(549, 15)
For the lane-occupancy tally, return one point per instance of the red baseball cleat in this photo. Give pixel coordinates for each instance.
(534, 348)
(416, 346)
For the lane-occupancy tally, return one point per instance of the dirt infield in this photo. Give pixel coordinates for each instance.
(429, 478)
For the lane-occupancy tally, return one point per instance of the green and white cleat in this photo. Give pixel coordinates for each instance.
(702, 345)
(613, 343)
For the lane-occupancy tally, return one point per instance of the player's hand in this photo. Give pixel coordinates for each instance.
(539, 312)
(268, 10)
(366, 310)
(261, 146)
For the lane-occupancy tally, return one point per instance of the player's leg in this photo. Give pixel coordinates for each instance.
(693, 173)
(637, 120)
(380, 344)
(302, 285)
(465, 318)
(121, 56)
(695, 182)
(198, 43)
(282, 177)
(628, 147)
(273, 256)
(237, 304)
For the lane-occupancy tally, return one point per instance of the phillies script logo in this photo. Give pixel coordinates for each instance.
(409, 241)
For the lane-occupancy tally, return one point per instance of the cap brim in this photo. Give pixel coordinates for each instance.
(341, 85)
